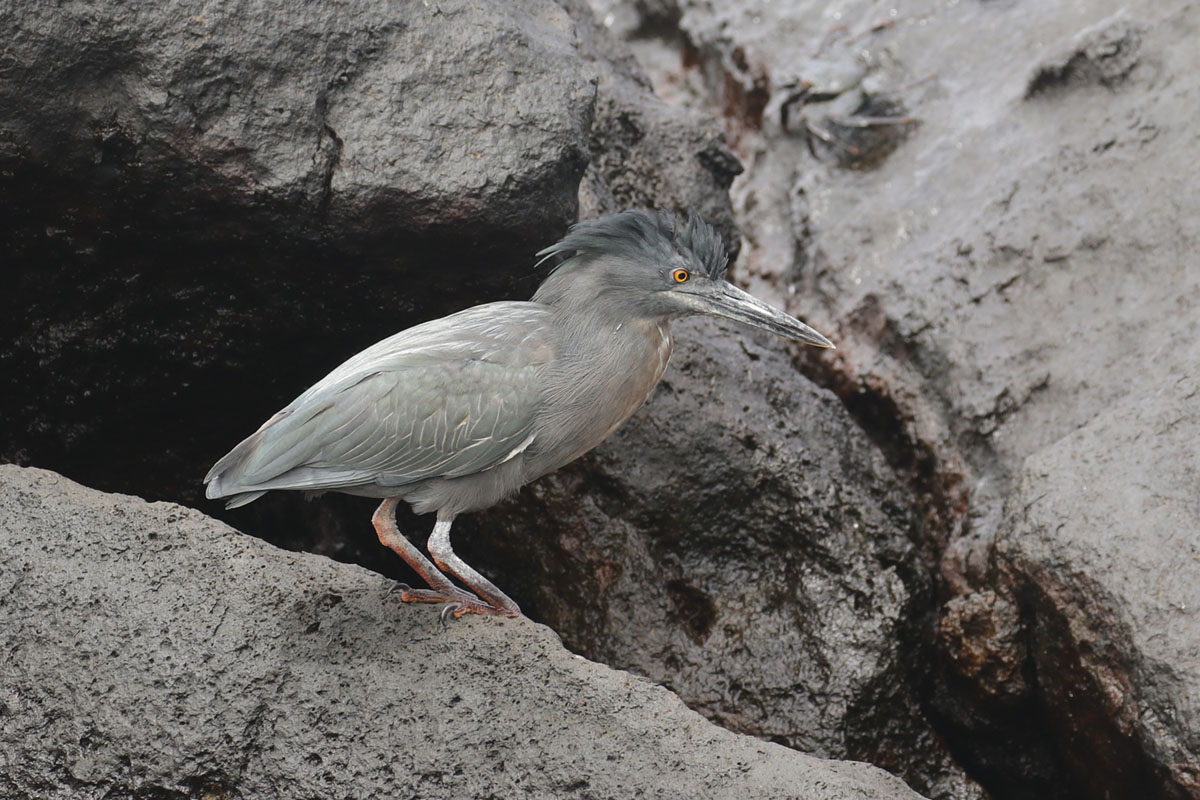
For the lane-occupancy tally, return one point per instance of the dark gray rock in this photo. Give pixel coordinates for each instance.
(743, 543)
(152, 652)
(236, 199)
(206, 214)
(202, 215)
(1102, 554)
(645, 153)
(1020, 265)
(370, 121)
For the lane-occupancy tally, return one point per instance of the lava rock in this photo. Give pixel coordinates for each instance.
(204, 212)
(1100, 549)
(246, 199)
(365, 122)
(646, 153)
(741, 542)
(152, 651)
(1018, 267)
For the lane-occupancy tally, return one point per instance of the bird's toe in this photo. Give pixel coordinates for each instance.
(457, 602)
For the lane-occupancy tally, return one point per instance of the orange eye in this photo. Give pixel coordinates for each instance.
(680, 275)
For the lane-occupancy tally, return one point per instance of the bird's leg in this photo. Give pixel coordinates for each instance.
(444, 557)
(441, 589)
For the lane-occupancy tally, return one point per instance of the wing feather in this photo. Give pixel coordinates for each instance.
(448, 398)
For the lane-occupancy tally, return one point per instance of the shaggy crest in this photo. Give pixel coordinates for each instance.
(646, 236)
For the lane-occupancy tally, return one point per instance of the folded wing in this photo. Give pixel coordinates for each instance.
(452, 397)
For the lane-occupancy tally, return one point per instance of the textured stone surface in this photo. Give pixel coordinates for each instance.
(199, 201)
(202, 214)
(244, 199)
(739, 541)
(1103, 553)
(151, 652)
(249, 195)
(334, 114)
(1018, 265)
(645, 153)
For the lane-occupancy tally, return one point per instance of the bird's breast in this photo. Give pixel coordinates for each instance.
(597, 382)
(642, 381)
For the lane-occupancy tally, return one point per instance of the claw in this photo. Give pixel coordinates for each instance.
(456, 602)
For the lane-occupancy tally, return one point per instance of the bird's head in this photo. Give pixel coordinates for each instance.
(646, 264)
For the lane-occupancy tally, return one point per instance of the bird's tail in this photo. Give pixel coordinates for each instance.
(242, 499)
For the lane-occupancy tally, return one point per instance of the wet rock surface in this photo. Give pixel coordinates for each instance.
(220, 205)
(152, 651)
(965, 551)
(1016, 267)
(741, 542)
(1100, 549)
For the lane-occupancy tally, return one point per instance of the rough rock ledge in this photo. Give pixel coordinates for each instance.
(153, 652)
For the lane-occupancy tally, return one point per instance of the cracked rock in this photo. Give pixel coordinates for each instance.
(1102, 554)
(1021, 265)
(741, 542)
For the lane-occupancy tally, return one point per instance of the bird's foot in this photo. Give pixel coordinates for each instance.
(452, 595)
(458, 602)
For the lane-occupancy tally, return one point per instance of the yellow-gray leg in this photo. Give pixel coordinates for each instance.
(447, 561)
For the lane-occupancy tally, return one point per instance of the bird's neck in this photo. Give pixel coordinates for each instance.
(604, 370)
(610, 331)
(591, 291)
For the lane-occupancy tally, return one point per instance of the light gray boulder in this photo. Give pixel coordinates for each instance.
(152, 651)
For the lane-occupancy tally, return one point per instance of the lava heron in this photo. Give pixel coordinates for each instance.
(457, 413)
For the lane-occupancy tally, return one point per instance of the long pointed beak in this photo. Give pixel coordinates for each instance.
(730, 302)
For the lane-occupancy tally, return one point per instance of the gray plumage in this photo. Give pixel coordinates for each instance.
(647, 238)
(454, 414)
(444, 399)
